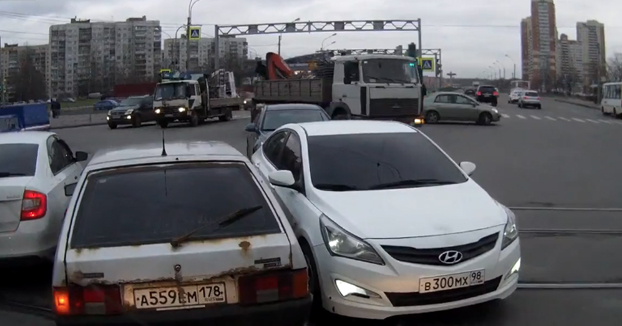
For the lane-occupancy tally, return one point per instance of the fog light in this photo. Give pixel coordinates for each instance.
(129, 117)
(418, 121)
(516, 267)
(157, 111)
(347, 289)
(181, 109)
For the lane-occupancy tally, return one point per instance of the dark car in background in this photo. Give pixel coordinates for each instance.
(469, 92)
(133, 110)
(487, 94)
(274, 116)
(105, 105)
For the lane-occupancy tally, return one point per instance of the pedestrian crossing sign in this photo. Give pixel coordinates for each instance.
(427, 64)
(195, 33)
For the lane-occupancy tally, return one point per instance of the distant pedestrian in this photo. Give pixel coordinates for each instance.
(55, 108)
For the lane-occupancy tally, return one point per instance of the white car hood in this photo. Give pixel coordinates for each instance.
(412, 212)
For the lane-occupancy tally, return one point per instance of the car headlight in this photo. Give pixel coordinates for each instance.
(510, 232)
(244, 101)
(341, 243)
(495, 110)
(157, 111)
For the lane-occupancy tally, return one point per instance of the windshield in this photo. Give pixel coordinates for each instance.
(142, 205)
(366, 161)
(170, 91)
(389, 71)
(18, 159)
(277, 118)
(531, 94)
(131, 101)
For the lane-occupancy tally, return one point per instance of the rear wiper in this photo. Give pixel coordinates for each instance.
(411, 182)
(334, 187)
(10, 174)
(222, 222)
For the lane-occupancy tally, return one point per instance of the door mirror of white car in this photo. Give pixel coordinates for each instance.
(70, 188)
(282, 178)
(467, 167)
(81, 156)
(251, 127)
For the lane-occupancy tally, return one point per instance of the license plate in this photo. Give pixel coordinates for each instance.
(168, 115)
(486, 95)
(453, 281)
(188, 295)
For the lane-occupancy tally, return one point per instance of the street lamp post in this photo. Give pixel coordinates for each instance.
(281, 35)
(190, 6)
(501, 64)
(494, 72)
(178, 47)
(326, 39)
(514, 63)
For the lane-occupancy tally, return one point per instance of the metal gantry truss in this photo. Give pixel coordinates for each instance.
(394, 25)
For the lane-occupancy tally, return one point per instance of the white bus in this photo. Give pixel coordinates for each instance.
(612, 99)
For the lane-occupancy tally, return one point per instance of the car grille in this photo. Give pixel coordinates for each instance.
(384, 107)
(168, 110)
(430, 256)
(422, 299)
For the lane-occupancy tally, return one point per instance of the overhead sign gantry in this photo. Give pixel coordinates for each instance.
(395, 25)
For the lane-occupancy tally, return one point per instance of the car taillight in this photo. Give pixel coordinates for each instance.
(495, 93)
(273, 287)
(91, 300)
(479, 93)
(34, 205)
(525, 97)
(538, 98)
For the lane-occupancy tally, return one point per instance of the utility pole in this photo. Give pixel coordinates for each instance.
(280, 37)
(190, 5)
(451, 75)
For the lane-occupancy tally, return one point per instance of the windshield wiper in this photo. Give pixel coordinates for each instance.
(334, 187)
(222, 222)
(412, 182)
(10, 174)
(390, 80)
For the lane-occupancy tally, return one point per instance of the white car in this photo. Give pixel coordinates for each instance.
(515, 96)
(530, 99)
(389, 224)
(188, 233)
(34, 168)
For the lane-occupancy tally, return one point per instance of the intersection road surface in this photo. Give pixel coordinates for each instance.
(557, 167)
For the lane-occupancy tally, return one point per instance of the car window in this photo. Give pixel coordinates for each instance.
(463, 100)
(59, 155)
(364, 161)
(273, 119)
(273, 147)
(488, 89)
(291, 159)
(155, 204)
(531, 94)
(443, 99)
(18, 160)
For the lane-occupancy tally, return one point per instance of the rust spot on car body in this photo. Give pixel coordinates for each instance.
(245, 245)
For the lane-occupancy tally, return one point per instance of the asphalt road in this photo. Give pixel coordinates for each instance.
(557, 167)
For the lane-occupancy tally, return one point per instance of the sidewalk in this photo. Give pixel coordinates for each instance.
(585, 104)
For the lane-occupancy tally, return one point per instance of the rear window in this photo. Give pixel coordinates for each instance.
(533, 94)
(277, 118)
(155, 204)
(18, 160)
(487, 89)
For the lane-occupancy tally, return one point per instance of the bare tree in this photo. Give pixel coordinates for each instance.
(28, 83)
(614, 67)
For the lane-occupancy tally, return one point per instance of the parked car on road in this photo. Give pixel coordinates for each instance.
(450, 106)
(388, 223)
(133, 110)
(183, 233)
(34, 168)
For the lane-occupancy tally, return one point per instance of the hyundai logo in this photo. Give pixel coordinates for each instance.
(450, 257)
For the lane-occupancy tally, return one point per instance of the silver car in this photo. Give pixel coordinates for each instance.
(530, 99)
(451, 106)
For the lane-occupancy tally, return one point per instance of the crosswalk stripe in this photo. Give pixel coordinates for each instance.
(535, 117)
(563, 118)
(550, 118)
(520, 116)
(592, 121)
(578, 120)
(507, 116)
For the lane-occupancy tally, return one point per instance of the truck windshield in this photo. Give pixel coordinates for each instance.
(170, 91)
(389, 71)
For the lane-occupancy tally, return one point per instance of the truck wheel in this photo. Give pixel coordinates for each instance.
(340, 115)
(163, 123)
(194, 119)
(227, 116)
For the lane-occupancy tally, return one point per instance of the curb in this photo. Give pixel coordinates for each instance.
(577, 104)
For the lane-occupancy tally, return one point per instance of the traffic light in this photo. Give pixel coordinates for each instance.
(412, 50)
(439, 67)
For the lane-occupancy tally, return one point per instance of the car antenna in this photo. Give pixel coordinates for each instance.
(163, 145)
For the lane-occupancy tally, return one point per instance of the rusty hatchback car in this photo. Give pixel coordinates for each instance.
(177, 233)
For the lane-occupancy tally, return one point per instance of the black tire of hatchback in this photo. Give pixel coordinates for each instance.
(539, 107)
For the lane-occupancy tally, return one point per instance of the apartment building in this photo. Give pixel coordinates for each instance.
(591, 35)
(88, 57)
(526, 48)
(13, 57)
(543, 42)
(569, 63)
(202, 52)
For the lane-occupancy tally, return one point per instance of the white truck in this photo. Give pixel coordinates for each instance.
(375, 86)
(192, 101)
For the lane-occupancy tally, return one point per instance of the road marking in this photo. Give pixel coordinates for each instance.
(605, 121)
(536, 117)
(578, 120)
(617, 122)
(592, 121)
(550, 118)
(563, 118)
(520, 116)
(507, 116)
(566, 209)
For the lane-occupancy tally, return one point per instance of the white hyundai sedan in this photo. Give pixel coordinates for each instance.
(389, 224)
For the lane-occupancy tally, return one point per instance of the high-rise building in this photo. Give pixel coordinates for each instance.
(544, 35)
(202, 52)
(13, 57)
(569, 64)
(88, 57)
(591, 35)
(526, 48)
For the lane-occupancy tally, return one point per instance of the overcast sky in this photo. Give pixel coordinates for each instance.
(494, 29)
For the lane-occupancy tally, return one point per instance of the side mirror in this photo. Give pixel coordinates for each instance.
(282, 178)
(251, 127)
(468, 167)
(81, 156)
(70, 188)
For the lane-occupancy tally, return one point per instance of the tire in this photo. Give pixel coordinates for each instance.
(194, 119)
(615, 113)
(520, 106)
(227, 116)
(112, 125)
(539, 107)
(602, 110)
(314, 280)
(432, 117)
(340, 115)
(163, 123)
(485, 119)
(136, 121)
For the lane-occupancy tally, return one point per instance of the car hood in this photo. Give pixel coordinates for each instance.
(124, 108)
(412, 212)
